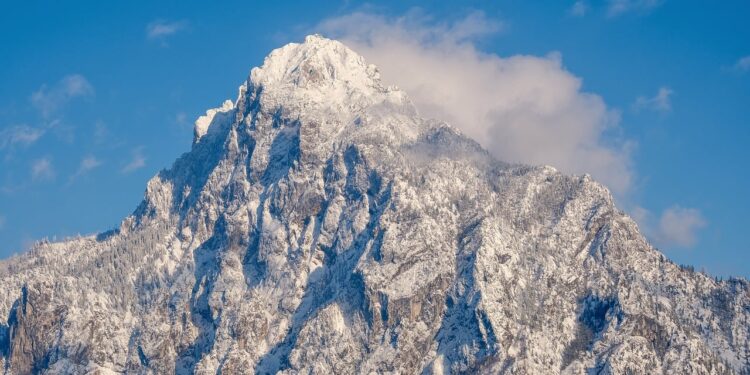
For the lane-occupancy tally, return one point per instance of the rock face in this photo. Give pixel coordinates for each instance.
(319, 225)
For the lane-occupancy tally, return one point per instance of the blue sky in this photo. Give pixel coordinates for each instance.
(95, 98)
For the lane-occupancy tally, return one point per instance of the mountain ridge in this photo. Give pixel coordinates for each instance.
(318, 224)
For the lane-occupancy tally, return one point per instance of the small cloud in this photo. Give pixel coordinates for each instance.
(87, 164)
(641, 215)
(660, 102)
(677, 226)
(138, 161)
(160, 30)
(49, 99)
(619, 7)
(42, 170)
(578, 9)
(19, 135)
(742, 65)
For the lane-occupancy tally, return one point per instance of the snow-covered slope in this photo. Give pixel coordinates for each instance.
(319, 225)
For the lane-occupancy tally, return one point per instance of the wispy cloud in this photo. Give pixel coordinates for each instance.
(101, 132)
(181, 119)
(619, 7)
(661, 102)
(160, 30)
(521, 108)
(742, 65)
(137, 161)
(677, 226)
(42, 170)
(19, 135)
(579, 9)
(49, 99)
(87, 164)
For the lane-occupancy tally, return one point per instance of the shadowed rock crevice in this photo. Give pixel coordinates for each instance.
(33, 325)
(337, 282)
(466, 337)
(596, 314)
(205, 271)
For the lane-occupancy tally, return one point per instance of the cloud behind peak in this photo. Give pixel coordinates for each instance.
(522, 108)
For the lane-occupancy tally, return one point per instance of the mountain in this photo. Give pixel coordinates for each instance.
(320, 225)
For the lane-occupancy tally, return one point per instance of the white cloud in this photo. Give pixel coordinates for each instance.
(579, 8)
(161, 29)
(85, 166)
(677, 226)
(641, 216)
(661, 102)
(521, 108)
(618, 7)
(743, 64)
(22, 135)
(137, 161)
(42, 170)
(88, 163)
(49, 99)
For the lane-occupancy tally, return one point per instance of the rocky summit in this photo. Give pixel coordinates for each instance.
(320, 225)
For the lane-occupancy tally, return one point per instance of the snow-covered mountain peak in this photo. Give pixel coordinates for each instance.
(318, 83)
(317, 62)
(320, 78)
